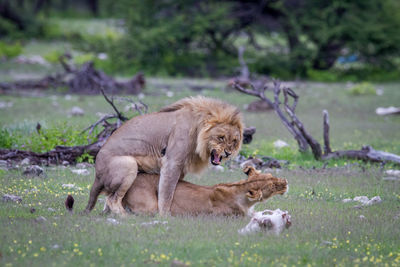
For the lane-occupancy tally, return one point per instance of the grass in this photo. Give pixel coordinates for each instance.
(325, 231)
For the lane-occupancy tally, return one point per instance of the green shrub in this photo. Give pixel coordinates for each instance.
(53, 56)
(46, 140)
(85, 157)
(10, 50)
(82, 58)
(322, 75)
(364, 88)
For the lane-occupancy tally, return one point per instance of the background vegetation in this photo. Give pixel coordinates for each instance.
(319, 40)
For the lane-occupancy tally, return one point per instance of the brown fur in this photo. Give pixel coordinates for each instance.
(181, 138)
(225, 199)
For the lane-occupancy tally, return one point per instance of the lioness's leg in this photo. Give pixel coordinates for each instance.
(123, 171)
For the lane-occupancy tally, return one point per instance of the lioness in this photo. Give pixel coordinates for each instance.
(225, 199)
(181, 138)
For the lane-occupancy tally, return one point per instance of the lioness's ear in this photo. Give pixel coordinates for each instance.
(250, 170)
(254, 194)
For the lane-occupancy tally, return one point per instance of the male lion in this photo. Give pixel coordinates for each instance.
(179, 139)
(236, 198)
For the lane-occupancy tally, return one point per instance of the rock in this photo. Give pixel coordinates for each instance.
(34, 59)
(34, 170)
(112, 221)
(3, 165)
(393, 173)
(25, 161)
(77, 111)
(102, 56)
(328, 243)
(41, 219)
(365, 201)
(217, 168)
(4, 105)
(154, 223)
(68, 186)
(347, 200)
(362, 217)
(55, 246)
(81, 165)
(12, 198)
(387, 111)
(279, 144)
(176, 263)
(391, 178)
(374, 200)
(65, 163)
(170, 94)
(81, 172)
(51, 209)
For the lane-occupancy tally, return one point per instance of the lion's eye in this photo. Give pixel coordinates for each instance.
(221, 138)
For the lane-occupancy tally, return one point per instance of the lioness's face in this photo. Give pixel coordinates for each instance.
(266, 186)
(274, 186)
(223, 141)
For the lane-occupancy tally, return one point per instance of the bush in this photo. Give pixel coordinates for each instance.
(364, 88)
(53, 56)
(46, 140)
(10, 51)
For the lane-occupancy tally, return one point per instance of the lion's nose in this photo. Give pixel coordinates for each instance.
(227, 154)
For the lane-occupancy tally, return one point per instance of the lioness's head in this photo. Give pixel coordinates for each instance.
(263, 185)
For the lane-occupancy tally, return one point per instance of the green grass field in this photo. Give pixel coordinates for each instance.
(324, 230)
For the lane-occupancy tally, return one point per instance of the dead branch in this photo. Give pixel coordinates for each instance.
(315, 146)
(141, 109)
(327, 145)
(111, 102)
(303, 138)
(248, 134)
(276, 104)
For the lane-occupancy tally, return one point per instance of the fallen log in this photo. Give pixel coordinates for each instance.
(367, 153)
(85, 79)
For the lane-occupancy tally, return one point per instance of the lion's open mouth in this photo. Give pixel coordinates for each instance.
(215, 158)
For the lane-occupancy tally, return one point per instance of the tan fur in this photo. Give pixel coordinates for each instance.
(225, 199)
(181, 138)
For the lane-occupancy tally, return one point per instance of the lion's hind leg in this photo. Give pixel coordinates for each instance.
(123, 170)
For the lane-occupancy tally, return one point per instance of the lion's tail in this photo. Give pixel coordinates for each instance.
(94, 194)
